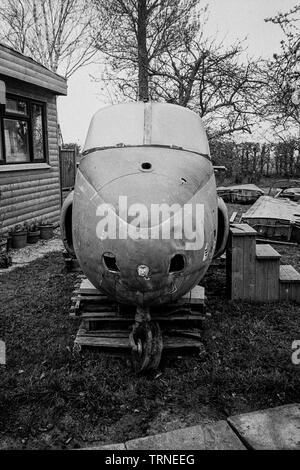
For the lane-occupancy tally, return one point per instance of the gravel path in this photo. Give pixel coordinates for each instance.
(26, 255)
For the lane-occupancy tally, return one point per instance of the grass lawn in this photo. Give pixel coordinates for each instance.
(50, 398)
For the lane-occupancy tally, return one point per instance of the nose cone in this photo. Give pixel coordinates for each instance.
(148, 271)
(153, 262)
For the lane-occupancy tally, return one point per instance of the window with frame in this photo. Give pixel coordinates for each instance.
(22, 131)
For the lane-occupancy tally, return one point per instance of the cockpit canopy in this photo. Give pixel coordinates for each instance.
(139, 124)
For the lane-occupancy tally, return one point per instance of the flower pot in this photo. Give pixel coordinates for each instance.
(46, 231)
(5, 261)
(33, 237)
(19, 239)
(9, 242)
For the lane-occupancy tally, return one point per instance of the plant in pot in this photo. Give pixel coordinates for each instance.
(3, 243)
(9, 241)
(5, 257)
(33, 234)
(19, 236)
(46, 228)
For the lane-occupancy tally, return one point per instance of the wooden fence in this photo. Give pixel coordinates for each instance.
(68, 168)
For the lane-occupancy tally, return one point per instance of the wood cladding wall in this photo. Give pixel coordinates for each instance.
(32, 193)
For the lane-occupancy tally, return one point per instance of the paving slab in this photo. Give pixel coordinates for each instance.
(216, 436)
(271, 429)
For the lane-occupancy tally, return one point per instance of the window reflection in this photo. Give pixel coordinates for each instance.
(1, 144)
(16, 106)
(37, 132)
(16, 141)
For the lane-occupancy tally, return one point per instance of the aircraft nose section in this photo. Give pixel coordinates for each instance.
(144, 269)
(146, 190)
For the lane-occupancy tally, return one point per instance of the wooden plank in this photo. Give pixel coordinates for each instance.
(237, 268)
(289, 292)
(261, 282)
(28, 191)
(10, 204)
(18, 184)
(33, 73)
(285, 292)
(273, 279)
(242, 230)
(275, 242)
(121, 342)
(115, 317)
(289, 274)
(195, 297)
(233, 216)
(229, 267)
(41, 200)
(52, 213)
(265, 251)
(86, 284)
(249, 271)
(295, 292)
(29, 91)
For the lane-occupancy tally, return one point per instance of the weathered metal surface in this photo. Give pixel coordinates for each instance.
(274, 217)
(152, 154)
(271, 208)
(243, 193)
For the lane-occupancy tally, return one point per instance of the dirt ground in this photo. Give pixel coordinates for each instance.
(51, 398)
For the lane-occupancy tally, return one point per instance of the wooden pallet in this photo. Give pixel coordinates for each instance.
(106, 324)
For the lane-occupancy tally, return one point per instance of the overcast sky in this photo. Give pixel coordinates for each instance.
(229, 19)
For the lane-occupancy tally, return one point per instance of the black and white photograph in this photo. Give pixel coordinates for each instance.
(149, 228)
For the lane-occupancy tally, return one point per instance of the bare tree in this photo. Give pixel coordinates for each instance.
(140, 30)
(56, 33)
(211, 80)
(282, 76)
(165, 39)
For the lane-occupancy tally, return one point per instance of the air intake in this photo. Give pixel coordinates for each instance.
(177, 264)
(110, 262)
